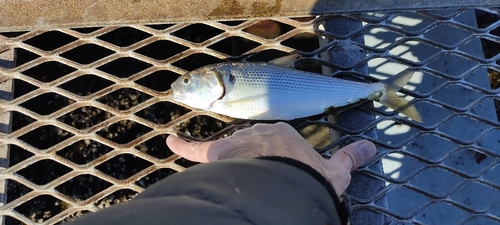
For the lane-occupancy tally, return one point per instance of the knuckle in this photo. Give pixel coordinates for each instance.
(355, 158)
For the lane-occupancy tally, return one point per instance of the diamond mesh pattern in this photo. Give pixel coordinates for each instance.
(120, 121)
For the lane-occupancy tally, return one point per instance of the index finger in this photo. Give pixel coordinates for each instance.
(194, 151)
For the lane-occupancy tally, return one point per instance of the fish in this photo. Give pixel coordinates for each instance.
(276, 91)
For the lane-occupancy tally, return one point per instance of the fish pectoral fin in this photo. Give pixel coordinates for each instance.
(244, 100)
(286, 61)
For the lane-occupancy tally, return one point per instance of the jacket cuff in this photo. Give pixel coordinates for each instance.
(342, 209)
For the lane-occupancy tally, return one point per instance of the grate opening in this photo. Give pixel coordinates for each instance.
(491, 48)
(87, 53)
(448, 40)
(317, 135)
(86, 30)
(266, 55)
(75, 215)
(12, 34)
(12, 221)
(57, 70)
(157, 114)
(471, 96)
(306, 42)
(124, 67)
(23, 56)
(234, 46)
(185, 163)
(85, 117)
(268, 29)
(86, 85)
(47, 103)
(123, 166)
(154, 177)
(45, 137)
(84, 151)
(469, 161)
(197, 32)
(159, 26)
(161, 50)
(482, 204)
(159, 80)
(82, 187)
(20, 120)
(116, 197)
(480, 220)
(50, 40)
(123, 131)
(195, 61)
(16, 190)
(202, 126)
(475, 129)
(124, 99)
(17, 155)
(44, 171)
(124, 36)
(414, 167)
(430, 51)
(42, 208)
(232, 23)
(486, 18)
(22, 88)
(155, 147)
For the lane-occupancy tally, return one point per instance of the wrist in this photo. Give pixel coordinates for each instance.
(320, 177)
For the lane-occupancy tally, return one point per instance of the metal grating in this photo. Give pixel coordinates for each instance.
(91, 109)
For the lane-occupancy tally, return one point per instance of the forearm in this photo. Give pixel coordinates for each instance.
(236, 191)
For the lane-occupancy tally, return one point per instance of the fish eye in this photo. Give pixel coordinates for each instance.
(186, 80)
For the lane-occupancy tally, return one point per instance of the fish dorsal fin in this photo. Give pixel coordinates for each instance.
(286, 61)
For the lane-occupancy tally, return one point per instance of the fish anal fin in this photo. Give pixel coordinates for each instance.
(335, 111)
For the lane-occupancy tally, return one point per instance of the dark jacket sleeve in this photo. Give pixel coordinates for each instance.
(270, 191)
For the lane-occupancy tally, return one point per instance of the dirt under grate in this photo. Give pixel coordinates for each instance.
(90, 151)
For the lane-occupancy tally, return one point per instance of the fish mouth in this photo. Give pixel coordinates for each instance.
(176, 94)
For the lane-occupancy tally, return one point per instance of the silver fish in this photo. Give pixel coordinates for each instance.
(267, 91)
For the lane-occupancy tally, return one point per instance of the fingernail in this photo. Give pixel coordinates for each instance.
(171, 138)
(366, 150)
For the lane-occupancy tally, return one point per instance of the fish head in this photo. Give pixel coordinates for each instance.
(199, 88)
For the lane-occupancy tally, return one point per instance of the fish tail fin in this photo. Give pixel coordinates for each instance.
(390, 99)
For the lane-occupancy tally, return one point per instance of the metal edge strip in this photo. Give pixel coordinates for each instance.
(21, 15)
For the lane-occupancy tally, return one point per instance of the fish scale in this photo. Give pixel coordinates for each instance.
(266, 91)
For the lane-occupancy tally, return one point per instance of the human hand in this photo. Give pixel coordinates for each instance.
(278, 139)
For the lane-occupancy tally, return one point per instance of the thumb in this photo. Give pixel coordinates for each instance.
(353, 155)
(194, 151)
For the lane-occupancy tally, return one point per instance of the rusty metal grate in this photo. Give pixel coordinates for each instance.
(104, 103)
